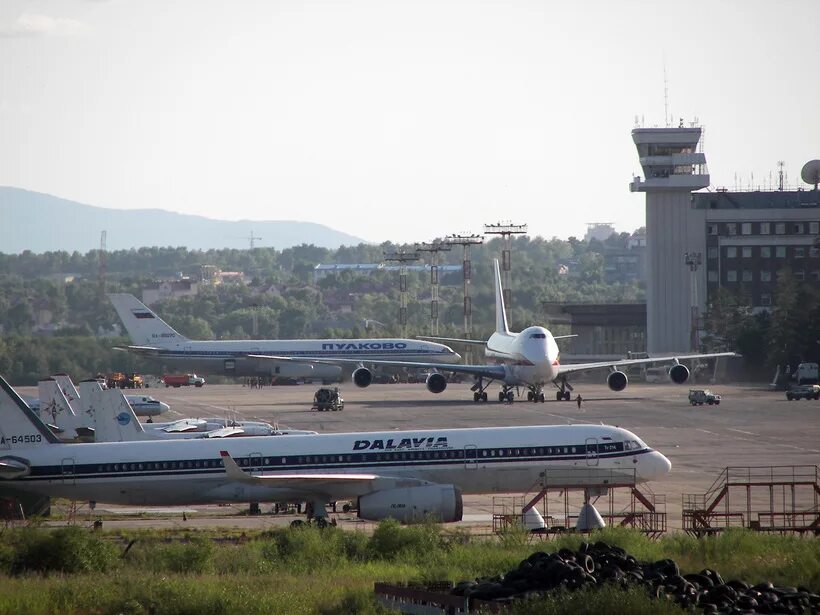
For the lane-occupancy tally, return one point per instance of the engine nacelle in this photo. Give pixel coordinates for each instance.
(436, 383)
(617, 381)
(679, 373)
(442, 503)
(362, 377)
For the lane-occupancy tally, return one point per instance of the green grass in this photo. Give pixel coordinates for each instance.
(305, 570)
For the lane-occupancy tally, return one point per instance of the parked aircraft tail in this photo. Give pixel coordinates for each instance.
(144, 327)
(500, 310)
(56, 410)
(20, 427)
(114, 419)
(68, 388)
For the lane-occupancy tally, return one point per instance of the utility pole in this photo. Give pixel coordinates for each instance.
(101, 272)
(694, 260)
(465, 241)
(433, 249)
(506, 231)
(402, 258)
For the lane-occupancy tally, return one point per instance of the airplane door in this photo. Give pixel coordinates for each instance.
(67, 472)
(255, 463)
(470, 457)
(592, 451)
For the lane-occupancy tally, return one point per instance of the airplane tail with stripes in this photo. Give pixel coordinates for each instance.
(20, 427)
(144, 327)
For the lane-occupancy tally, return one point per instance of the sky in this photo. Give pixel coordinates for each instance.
(397, 121)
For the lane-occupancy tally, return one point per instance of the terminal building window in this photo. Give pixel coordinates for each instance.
(712, 253)
(747, 251)
(712, 276)
(780, 228)
(765, 252)
(731, 228)
(800, 252)
(731, 276)
(797, 229)
(800, 275)
(747, 276)
(780, 251)
(814, 252)
(765, 276)
(731, 252)
(815, 275)
(765, 228)
(746, 228)
(814, 228)
(765, 299)
(712, 229)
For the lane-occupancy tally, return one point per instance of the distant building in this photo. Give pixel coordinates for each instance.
(604, 330)
(168, 289)
(599, 230)
(213, 275)
(323, 270)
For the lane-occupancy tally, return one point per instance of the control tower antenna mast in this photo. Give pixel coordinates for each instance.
(433, 249)
(465, 241)
(402, 258)
(506, 230)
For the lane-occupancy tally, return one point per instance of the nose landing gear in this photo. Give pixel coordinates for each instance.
(564, 392)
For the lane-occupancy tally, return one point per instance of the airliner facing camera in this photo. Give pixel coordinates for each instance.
(528, 359)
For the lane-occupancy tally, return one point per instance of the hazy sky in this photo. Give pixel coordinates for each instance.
(396, 120)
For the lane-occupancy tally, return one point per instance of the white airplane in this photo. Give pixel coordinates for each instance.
(154, 339)
(527, 359)
(407, 475)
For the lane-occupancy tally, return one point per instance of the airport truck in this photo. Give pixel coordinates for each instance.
(183, 380)
(803, 391)
(328, 398)
(698, 397)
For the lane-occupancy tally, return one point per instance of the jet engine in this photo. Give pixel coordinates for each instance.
(413, 504)
(362, 377)
(436, 383)
(617, 381)
(678, 373)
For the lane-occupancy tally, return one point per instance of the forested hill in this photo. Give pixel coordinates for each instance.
(45, 223)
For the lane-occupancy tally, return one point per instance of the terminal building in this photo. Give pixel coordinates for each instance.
(698, 242)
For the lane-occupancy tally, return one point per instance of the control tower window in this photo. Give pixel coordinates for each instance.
(731, 252)
(746, 228)
(780, 228)
(765, 251)
(797, 229)
(765, 276)
(765, 228)
(747, 251)
(712, 229)
(731, 276)
(814, 228)
(731, 229)
(800, 252)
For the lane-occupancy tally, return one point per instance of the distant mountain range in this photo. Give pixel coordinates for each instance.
(42, 223)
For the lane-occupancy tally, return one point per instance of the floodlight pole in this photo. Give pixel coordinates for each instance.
(402, 258)
(433, 249)
(465, 241)
(506, 230)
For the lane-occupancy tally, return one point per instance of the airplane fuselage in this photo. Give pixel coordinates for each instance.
(477, 461)
(531, 356)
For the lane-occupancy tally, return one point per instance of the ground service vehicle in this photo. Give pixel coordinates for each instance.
(328, 398)
(807, 373)
(698, 397)
(804, 391)
(134, 381)
(183, 380)
(115, 380)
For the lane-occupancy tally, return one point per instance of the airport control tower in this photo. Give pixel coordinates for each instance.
(672, 168)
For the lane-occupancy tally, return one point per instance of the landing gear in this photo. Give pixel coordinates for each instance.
(536, 395)
(506, 395)
(564, 392)
(479, 390)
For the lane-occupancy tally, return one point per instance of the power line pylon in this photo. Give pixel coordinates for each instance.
(465, 241)
(433, 249)
(402, 258)
(506, 230)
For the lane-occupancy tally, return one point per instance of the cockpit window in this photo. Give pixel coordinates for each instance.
(633, 445)
(538, 336)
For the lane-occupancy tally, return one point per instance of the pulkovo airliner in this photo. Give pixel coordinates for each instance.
(154, 339)
(407, 475)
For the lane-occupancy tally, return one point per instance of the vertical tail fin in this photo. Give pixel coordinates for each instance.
(144, 327)
(68, 389)
(56, 410)
(114, 419)
(500, 310)
(20, 427)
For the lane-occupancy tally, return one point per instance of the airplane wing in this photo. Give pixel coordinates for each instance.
(183, 426)
(454, 340)
(225, 432)
(334, 484)
(573, 368)
(486, 371)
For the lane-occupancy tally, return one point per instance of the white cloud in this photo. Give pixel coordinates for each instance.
(32, 24)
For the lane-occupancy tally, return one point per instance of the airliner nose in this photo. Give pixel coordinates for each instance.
(163, 407)
(654, 466)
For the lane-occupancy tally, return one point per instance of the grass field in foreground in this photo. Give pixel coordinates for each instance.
(291, 571)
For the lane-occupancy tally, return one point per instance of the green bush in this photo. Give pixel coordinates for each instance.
(391, 540)
(69, 550)
(610, 599)
(192, 557)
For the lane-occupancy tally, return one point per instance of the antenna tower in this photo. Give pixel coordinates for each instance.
(780, 165)
(433, 249)
(402, 258)
(665, 96)
(465, 241)
(506, 230)
(252, 239)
